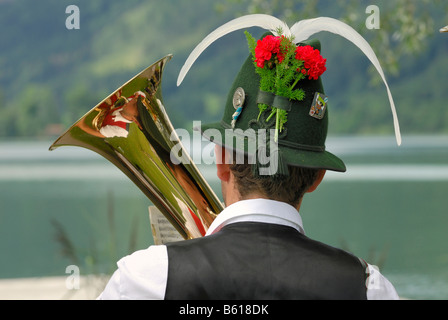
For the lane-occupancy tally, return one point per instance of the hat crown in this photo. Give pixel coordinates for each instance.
(301, 131)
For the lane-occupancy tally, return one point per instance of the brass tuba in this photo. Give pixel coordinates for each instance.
(131, 129)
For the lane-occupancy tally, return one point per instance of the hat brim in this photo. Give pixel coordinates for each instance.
(323, 160)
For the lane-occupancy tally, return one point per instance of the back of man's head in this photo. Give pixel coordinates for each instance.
(289, 189)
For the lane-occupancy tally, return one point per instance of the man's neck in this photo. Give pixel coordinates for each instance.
(254, 196)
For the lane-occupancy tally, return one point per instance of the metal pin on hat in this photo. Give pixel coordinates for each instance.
(238, 102)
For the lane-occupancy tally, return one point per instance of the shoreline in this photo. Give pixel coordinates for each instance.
(51, 288)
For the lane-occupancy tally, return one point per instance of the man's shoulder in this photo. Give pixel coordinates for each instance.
(140, 275)
(141, 260)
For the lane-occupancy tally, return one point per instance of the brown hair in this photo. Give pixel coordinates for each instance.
(289, 189)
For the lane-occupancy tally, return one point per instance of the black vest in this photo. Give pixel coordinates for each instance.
(254, 261)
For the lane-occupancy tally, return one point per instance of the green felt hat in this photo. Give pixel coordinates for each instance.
(301, 110)
(302, 140)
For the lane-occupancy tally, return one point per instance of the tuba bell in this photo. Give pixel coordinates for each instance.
(131, 129)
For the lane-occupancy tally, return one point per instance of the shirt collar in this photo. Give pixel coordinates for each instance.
(258, 210)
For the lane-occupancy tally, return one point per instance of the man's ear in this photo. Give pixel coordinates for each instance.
(319, 179)
(223, 169)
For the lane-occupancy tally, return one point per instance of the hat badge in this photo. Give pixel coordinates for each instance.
(319, 106)
(238, 101)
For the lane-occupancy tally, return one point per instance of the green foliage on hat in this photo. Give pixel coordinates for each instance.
(281, 66)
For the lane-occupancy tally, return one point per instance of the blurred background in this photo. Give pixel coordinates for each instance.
(71, 207)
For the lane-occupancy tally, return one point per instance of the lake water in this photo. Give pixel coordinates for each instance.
(70, 206)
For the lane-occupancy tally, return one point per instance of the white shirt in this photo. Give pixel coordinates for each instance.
(144, 274)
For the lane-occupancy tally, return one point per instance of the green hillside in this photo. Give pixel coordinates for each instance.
(50, 76)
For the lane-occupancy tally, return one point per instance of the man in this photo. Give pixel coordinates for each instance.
(256, 248)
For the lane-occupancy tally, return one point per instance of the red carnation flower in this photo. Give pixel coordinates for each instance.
(312, 61)
(265, 48)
